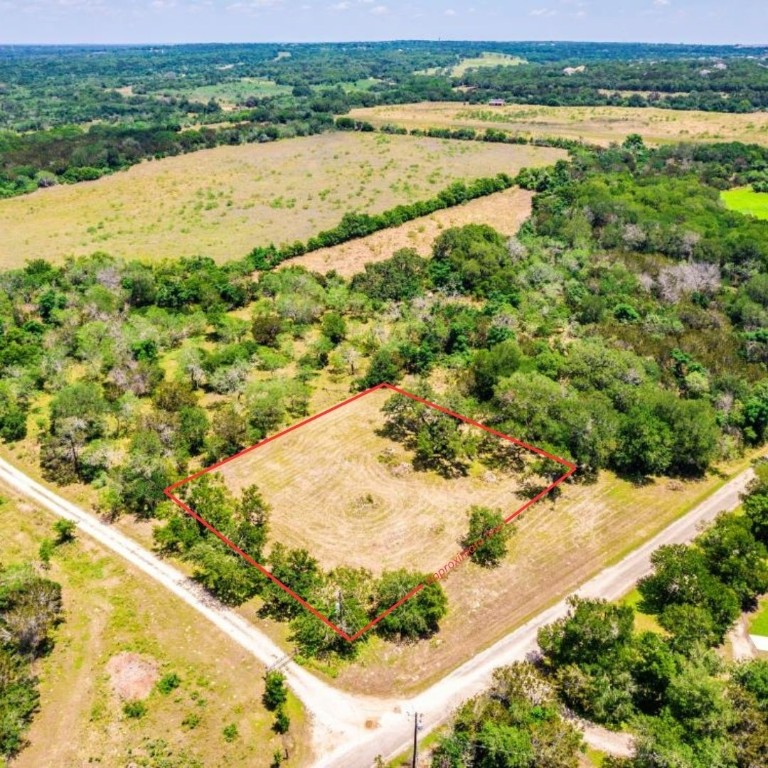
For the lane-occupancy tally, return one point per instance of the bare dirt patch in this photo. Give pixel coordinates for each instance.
(504, 211)
(132, 676)
(599, 125)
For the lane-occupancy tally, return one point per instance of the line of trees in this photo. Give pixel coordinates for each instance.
(350, 598)
(356, 225)
(489, 135)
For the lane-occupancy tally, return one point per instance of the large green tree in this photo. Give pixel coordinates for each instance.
(417, 617)
(488, 536)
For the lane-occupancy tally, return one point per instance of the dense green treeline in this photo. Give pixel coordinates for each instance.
(687, 707)
(47, 86)
(517, 723)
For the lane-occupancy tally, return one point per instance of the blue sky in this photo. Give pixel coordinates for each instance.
(138, 21)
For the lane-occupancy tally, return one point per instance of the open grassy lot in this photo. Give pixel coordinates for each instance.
(598, 125)
(232, 93)
(745, 200)
(350, 496)
(559, 544)
(222, 202)
(504, 211)
(111, 611)
(485, 59)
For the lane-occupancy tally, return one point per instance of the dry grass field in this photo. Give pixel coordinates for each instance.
(504, 211)
(222, 202)
(112, 611)
(598, 125)
(230, 94)
(350, 496)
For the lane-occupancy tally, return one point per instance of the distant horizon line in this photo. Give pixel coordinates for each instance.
(380, 41)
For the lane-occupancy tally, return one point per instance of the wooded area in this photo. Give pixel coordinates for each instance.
(69, 116)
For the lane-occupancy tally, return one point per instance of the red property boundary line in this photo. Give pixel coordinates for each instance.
(169, 492)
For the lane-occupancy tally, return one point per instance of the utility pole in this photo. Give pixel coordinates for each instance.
(418, 724)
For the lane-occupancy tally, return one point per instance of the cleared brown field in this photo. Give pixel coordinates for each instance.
(222, 202)
(350, 496)
(110, 610)
(598, 125)
(505, 211)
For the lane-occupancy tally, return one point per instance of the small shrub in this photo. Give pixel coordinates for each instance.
(45, 552)
(275, 693)
(134, 709)
(230, 733)
(168, 683)
(626, 313)
(64, 530)
(282, 721)
(191, 721)
(487, 536)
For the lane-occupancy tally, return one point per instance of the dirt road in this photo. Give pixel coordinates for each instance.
(335, 714)
(350, 731)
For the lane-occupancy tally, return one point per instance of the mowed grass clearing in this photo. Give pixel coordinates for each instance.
(232, 93)
(111, 609)
(350, 496)
(745, 200)
(597, 125)
(222, 202)
(504, 211)
(558, 546)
